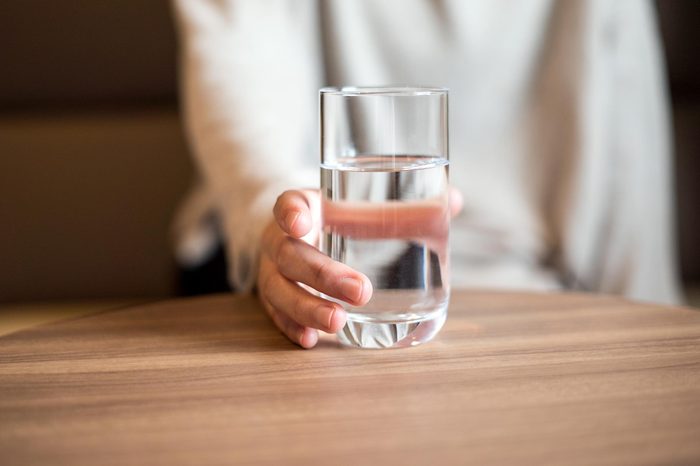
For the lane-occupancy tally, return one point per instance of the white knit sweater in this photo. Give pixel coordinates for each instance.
(559, 127)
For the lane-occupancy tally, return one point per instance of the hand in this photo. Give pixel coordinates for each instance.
(288, 258)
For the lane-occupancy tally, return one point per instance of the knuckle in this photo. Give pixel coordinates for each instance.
(321, 271)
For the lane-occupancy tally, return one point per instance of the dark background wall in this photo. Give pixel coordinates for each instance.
(87, 53)
(678, 20)
(93, 159)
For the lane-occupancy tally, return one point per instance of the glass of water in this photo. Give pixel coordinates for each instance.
(385, 212)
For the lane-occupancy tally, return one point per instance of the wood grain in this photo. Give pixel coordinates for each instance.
(512, 378)
(22, 315)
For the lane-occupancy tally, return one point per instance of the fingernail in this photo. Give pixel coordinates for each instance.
(351, 289)
(337, 319)
(291, 219)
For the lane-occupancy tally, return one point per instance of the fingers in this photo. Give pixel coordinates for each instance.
(288, 260)
(296, 312)
(414, 219)
(302, 336)
(293, 213)
(301, 306)
(301, 262)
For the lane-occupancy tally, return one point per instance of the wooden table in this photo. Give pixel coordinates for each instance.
(19, 316)
(512, 378)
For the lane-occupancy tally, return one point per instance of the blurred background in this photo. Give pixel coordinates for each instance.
(93, 160)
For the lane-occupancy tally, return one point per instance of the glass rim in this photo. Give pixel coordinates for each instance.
(390, 90)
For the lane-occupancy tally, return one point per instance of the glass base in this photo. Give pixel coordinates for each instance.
(360, 332)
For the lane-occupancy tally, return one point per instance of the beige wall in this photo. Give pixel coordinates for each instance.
(85, 203)
(92, 155)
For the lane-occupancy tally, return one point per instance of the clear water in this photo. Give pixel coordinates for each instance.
(388, 217)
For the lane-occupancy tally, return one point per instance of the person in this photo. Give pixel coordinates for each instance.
(559, 141)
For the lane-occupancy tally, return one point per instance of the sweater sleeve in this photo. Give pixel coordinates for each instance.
(250, 72)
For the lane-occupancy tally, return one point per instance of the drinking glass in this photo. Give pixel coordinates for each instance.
(385, 212)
